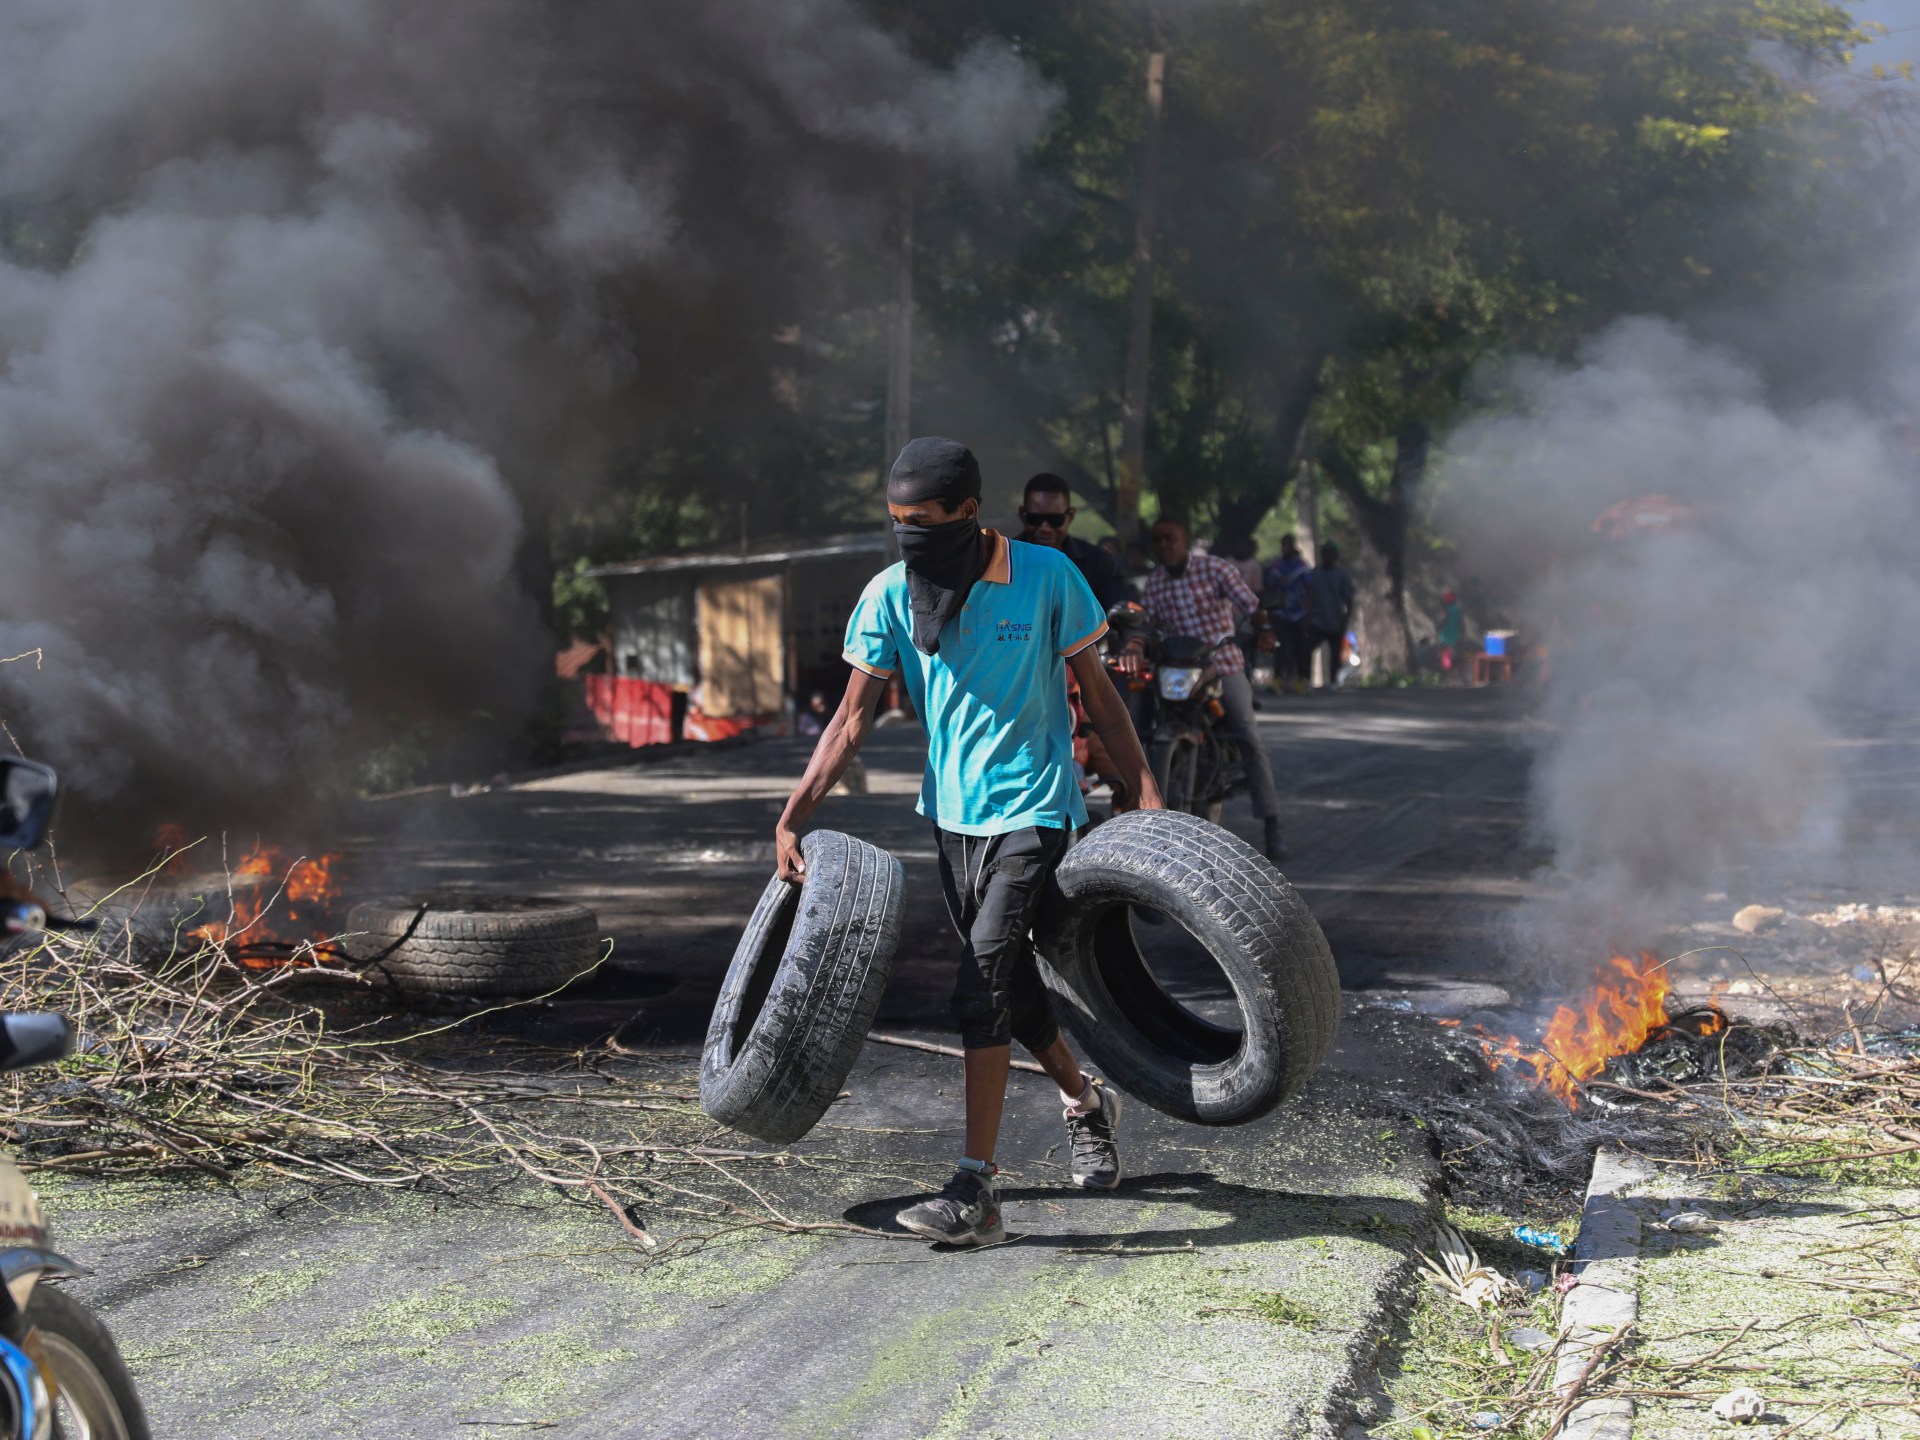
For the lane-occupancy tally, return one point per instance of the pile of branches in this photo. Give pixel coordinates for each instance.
(1831, 1089)
(1847, 1101)
(1836, 1091)
(192, 1063)
(1784, 1104)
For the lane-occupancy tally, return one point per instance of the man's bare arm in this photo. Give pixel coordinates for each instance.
(850, 726)
(1115, 728)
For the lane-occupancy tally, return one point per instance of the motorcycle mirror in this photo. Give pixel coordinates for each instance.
(34, 1039)
(28, 791)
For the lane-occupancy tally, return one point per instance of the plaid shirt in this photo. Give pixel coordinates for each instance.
(1202, 602)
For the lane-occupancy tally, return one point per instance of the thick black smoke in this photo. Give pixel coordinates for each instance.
(1715, 652)
(302, 304)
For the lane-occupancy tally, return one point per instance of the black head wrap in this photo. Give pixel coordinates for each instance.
(943, 561)
(934, 468)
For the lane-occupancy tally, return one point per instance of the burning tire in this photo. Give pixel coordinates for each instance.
(802, 990)
(1251, 921)
(473, 945)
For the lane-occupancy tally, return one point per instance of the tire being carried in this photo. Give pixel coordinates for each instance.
(1251, 921)
(477, 945)
(802, 990)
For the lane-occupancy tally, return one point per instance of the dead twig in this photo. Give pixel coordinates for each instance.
(953, 1050)
(1572, 1395)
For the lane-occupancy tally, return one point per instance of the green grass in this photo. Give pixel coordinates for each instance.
(1440, 1371)
(1283, 1310)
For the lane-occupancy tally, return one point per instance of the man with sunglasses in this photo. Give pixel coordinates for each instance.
(1045, 513)
(1046, 510)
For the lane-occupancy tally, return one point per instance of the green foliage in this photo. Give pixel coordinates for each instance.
(1359, 201)
(1279, 1309)
(579, 602)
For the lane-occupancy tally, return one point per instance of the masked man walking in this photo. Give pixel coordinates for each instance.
(982, 630)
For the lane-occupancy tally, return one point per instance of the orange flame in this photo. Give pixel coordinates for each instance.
(308, 887)
(1627, 1005)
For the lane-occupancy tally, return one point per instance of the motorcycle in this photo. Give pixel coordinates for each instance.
(61, 1374)
(1196, 766)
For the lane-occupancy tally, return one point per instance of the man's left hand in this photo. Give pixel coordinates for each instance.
(1263, 642)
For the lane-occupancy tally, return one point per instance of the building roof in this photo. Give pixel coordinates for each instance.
(830, 547)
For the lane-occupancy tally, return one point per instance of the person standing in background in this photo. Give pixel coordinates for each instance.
(1329, 611)
(1452, 626)
(1240, 553)
(1284, 592)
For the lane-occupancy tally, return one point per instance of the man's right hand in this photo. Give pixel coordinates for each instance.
(1132, 660)
(788, 863)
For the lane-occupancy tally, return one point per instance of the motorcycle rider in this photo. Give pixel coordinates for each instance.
(1193, 593)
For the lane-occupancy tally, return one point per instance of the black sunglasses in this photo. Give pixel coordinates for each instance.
(1037, 518)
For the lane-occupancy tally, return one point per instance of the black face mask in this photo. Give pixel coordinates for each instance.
(943, 561)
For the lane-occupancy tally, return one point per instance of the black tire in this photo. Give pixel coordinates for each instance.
(1221, 770)
(802, 990)
(473, 945)
(1181, 771)
(77, 1352)
(1257, 929)
(1176, 768)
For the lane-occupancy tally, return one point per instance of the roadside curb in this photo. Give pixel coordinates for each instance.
(1608, 1295)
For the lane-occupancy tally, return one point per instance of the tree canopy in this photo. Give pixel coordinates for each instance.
(1359, 200)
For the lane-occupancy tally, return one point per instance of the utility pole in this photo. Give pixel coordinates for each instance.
(1133, 400)
(899, 423)
(1306, 527)
(900, 328)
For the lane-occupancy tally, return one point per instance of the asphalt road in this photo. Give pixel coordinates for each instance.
(1404, 810)
(1258, 1265)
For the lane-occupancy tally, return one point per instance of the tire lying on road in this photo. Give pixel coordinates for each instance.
(475, 944)
(1251, 921)
(802, 990)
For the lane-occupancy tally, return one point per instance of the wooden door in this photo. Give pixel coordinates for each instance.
(742, 646)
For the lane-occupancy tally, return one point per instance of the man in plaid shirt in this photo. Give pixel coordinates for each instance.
(1198, 594)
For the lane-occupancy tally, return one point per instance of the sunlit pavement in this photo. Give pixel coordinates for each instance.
(1234, 1285)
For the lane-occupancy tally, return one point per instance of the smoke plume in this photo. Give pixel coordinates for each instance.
(1706, 655)
(303, 306)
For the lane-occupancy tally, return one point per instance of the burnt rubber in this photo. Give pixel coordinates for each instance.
(474, 945)
(1253, 923)
(802, 990)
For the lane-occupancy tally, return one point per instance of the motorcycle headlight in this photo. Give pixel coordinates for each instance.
(1177, 683)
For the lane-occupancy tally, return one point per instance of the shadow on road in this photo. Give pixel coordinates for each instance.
(1253, 1215)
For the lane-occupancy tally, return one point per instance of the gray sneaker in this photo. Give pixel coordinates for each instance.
(1095, 1142)
(966, 1212)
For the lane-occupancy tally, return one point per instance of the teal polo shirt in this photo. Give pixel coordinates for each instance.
(993, 701)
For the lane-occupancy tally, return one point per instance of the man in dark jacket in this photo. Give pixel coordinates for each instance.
(1329, 612)
(1045, 513)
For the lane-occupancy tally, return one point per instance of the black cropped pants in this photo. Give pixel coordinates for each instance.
(994, 886)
